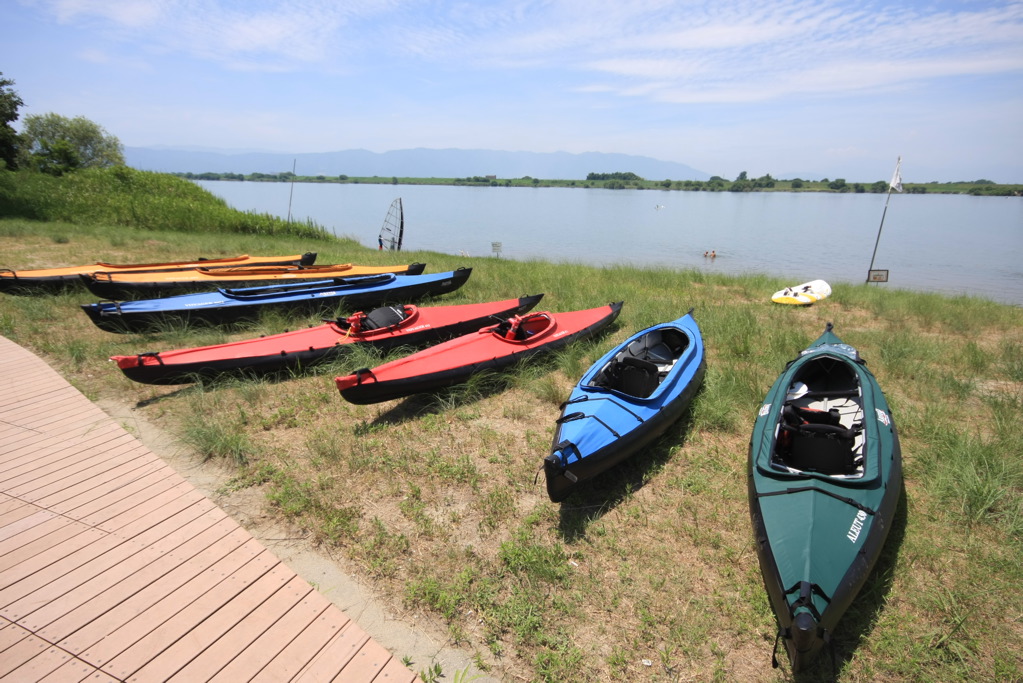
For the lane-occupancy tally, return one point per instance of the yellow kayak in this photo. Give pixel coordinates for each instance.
(804, 294)
(120, 286)
(42, 280)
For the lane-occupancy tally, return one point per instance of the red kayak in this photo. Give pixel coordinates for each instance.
(383, 328)
(491, 348)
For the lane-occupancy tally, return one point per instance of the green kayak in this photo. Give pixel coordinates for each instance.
(825, 474)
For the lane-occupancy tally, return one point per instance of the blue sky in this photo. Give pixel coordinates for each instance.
(816, 88)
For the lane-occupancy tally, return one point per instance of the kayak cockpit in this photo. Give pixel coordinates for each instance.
(821, 426)
(524, 328)
(640, 368)
(379, 321)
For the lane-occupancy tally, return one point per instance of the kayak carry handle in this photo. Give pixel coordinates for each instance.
(572, 417)
(362, 372)
(105, 312)
(150, 354)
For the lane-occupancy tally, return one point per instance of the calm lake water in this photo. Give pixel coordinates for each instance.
(954, 244)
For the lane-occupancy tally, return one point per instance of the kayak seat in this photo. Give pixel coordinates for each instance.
(816, 441)
(637, 377)
(386, 316)
(660, 347)
(824, 453)
(819, 448)
(519, 333)
(797, 415)
(660, 354)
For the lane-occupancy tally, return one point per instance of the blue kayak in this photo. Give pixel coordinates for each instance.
(625, 402)
(231, 306)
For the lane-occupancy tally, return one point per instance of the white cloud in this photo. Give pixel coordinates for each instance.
(678, 77)
(125, 13)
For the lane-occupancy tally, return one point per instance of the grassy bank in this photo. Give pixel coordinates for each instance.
(137, 200)
(650, 573)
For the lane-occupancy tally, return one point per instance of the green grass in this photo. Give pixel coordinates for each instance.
(432, 500)
(122, 196)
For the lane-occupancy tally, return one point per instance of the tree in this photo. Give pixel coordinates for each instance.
(56, 144)
(9, 104)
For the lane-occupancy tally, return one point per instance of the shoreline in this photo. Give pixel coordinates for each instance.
(808, 186)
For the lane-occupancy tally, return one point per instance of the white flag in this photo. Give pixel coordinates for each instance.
(896, 183)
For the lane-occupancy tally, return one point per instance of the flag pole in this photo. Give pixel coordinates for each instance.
(895, 184)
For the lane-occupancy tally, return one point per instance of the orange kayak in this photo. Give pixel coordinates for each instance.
(121, 286)
(43, 280)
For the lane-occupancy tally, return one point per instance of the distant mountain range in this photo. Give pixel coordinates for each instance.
(410, 163)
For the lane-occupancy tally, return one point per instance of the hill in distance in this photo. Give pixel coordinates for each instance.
(409, 163)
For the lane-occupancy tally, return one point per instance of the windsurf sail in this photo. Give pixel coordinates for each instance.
(393, 230)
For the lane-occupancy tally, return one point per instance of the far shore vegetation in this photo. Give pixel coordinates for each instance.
(631, 181)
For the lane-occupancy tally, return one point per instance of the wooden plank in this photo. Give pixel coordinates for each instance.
(30, 528)
(9, 503)
(33, 392)
(48, 481)
(53, 445)
(20, 652)
(237, 653)
(367, 663)
(127, 521)
(129, 575)
(57, 411)
(11, 634)
(116, 493)
(34, 385)
(199, 621)
(174, 584)
(13, 508)
(34, 405)
(111, 588)
(77, 455)
(395, 672)
(19, 450)
(39, 667)
(102, 477)
(77, 671)
(24, 523)
(19, 470)
(337, 654)
(170, 618)
(22, 599)
(126, 481)
(40, 560)
(305, 646)
(206, 634)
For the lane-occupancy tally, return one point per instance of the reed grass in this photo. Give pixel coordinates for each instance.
(650, 572)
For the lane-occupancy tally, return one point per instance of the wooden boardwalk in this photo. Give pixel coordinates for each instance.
(114, 568)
